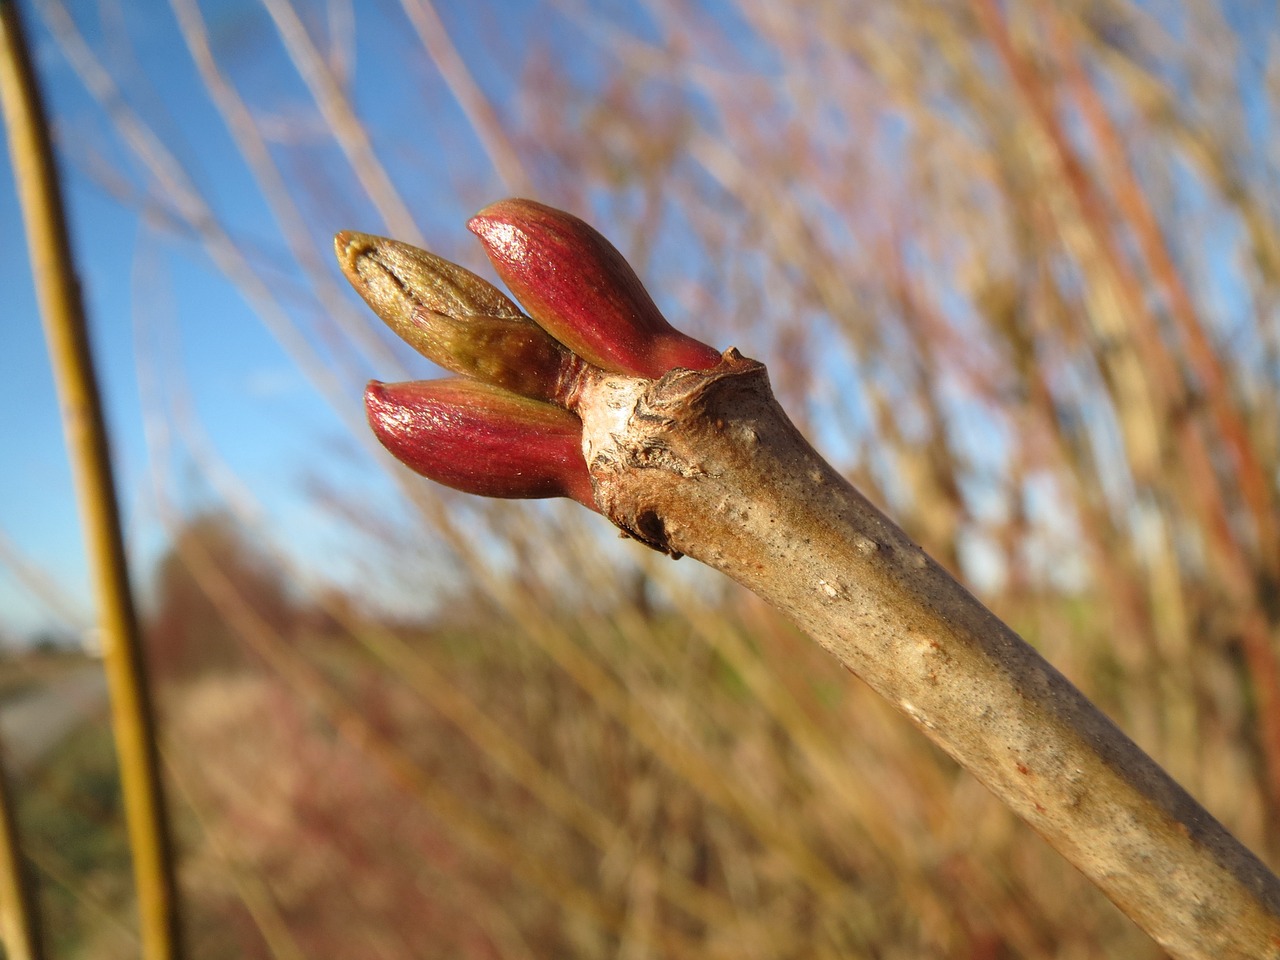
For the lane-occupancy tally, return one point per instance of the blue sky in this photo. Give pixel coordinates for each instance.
(143, 285)
(161, 311)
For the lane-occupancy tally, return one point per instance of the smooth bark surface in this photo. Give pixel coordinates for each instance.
(84, 425)
(708, 465)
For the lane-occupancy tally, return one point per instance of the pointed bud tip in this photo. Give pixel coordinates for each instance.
(386, 414)
(348, 245)
(503, 211)
(503, 226)
(357, 252)
(361, 257)
(375, 397)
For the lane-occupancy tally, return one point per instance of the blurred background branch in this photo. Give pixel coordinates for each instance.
(84, 426)
(1013, 267)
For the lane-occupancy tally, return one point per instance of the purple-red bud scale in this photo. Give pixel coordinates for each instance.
(580, 289)
(481, 439)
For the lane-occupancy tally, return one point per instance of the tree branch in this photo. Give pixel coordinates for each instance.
(691, 454)
(707, 464)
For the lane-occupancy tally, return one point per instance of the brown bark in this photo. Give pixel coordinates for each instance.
(707, 464)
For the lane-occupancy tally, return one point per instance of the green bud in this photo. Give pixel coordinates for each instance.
(452, 317)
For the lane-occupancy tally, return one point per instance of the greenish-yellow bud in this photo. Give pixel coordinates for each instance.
(451, 316)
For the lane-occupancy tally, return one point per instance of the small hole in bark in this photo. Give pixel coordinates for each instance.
(650, 529)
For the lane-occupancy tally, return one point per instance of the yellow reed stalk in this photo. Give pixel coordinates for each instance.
(86, 437)
(19, 918)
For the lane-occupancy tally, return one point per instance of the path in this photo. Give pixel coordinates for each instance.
(32, 725)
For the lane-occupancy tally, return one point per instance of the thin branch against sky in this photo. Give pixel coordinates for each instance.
(872, 200)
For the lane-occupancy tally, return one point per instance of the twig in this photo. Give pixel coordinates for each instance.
(707, 464)
(341, 117)
(467, 93)
(689, 453)
(19, 916)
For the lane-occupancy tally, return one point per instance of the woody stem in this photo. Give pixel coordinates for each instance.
(707, 464)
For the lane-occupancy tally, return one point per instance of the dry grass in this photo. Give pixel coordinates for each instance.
(1017, 272)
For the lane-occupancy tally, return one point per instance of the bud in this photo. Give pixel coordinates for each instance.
(578, 286)
(481, 439)
(451, 316)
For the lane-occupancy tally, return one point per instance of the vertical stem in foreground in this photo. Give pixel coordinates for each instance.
(86, 436)
(708, 465)
(19, 918)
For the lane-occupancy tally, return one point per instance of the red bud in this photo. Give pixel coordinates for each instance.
(579, 288)
(481, 439)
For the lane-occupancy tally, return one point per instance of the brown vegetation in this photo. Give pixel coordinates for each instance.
(1014, 270)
